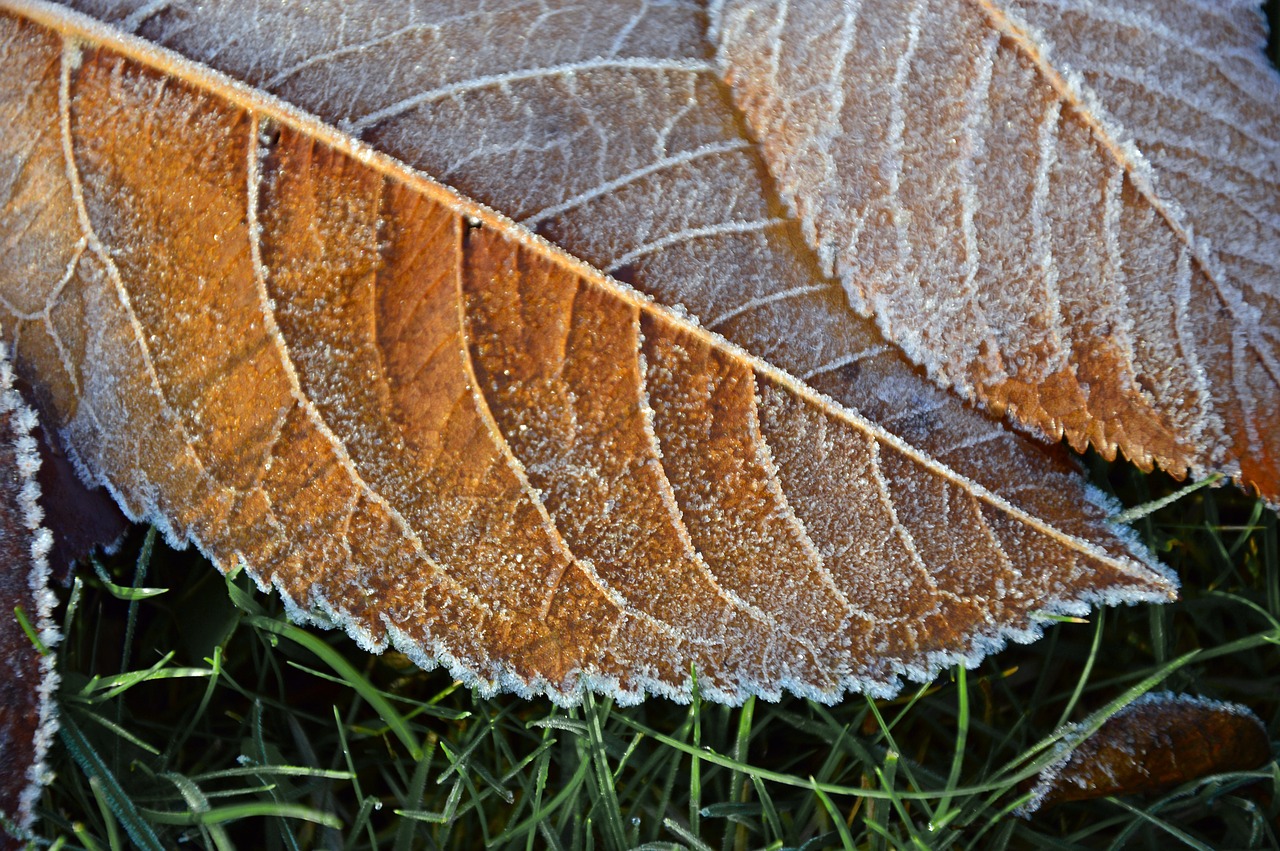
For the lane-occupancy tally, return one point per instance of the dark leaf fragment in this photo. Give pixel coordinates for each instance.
(1155, 743)
(27, 677)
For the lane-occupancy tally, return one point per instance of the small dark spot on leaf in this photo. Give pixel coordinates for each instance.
(850, 372)
(626, 273)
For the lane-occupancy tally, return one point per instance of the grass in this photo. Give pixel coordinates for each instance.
(199, 715)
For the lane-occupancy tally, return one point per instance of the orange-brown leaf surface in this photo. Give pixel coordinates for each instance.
(421, 422)
(605, 128)
(27, 678)
(1069, 210)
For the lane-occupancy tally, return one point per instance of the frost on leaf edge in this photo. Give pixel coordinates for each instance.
(24, 420)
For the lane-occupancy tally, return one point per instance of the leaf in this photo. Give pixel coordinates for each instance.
(1160, 741)
(1066, 210)
(27, 677)
(79, 519)
(586, 135)
(421, 422)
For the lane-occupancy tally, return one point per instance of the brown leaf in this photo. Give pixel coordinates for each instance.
(27, 677)
(1068, 211)
(419, 421)
(586, 135)
(80, 520)
(1157, 742)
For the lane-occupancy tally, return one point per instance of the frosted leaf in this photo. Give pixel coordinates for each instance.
(612, 136)
(1067, 210)
(28, 716)
(420, 421)
(1157, 742)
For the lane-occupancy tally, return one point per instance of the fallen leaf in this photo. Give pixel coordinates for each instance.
(611, 135)
(419, 421)
(1068, 211)
(1157, 742)
(80, 520)
(27, 636)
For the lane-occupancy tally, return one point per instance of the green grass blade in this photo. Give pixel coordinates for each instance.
(1140, 511)
(686, 834)
(1083, 679)
(940, 815)
(121, 731)
(444, 816)
(846, 838)
(374, 697)
(770, 811)
(32, 635)
(605, 794)
(236, 812)
(411, 801)
(91, 764)
(138, 593)
(735, 835)
(543, 813)
(108, 817)
(1181, 836)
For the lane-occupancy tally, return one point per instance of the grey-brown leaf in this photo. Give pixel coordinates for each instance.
(1066, 210)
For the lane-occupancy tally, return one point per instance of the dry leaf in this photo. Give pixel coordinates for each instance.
(1066, 210)
(611, 135)
(1157, 742)
(424, 424)
(27, 677)
(80, 520)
